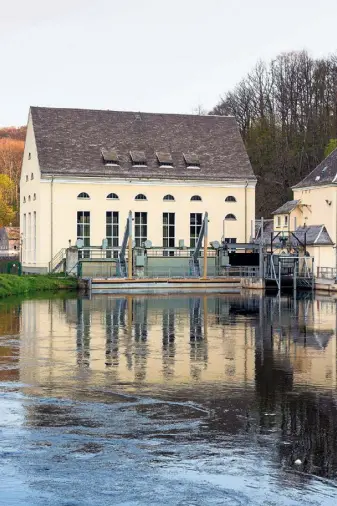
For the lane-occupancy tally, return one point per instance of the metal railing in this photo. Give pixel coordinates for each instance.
(326, 272)
(242, 272)
(57, 261)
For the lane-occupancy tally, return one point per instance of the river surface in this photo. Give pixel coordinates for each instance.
(179, 400)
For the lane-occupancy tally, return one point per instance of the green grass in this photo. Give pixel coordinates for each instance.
(21, 285)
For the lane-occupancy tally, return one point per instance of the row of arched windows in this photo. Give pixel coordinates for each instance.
(141, 196)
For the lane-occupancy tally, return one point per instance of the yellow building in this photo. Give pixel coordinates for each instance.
(83, 170)
(313, 213)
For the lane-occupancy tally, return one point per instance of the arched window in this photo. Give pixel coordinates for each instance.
(230, 198)
(83, 195)
(34, 198)
(140, 196)
(24, 200)
(32, 176)
(112, 196)
(29, 198)
(169, 197)
(230, 217)
(196, 197)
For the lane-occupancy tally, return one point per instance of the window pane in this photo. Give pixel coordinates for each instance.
(108, 217)
(108, 230)
(115, 230)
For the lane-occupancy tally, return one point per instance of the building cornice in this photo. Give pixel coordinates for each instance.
(238, 183)
(314, 187)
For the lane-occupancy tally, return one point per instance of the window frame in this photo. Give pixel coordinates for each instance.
(86, 227)
(140, 226)
(196, 226)
(169, 231)
(83, 196)
(230, 217)
(113, 238)
(140, 196)
(230, 198)
(169, 198)
(196, 198)
(112, 198)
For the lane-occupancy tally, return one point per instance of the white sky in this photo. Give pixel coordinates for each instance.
(147, 55)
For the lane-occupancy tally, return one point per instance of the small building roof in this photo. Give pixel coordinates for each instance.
(287, 207)
(311, 235)
(324, 174)
(315, 234)
(268, 227)
(13, 233)
(70, 142)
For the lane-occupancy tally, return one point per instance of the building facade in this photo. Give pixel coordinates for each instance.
(84, 170)
(9, 241)
(314, 211)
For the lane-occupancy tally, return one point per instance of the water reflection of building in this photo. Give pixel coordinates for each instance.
(259, 364)
(152, 339)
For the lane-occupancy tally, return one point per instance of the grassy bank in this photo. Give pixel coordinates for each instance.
(21, 285)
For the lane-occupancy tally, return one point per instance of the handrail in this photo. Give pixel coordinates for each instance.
(57, 260)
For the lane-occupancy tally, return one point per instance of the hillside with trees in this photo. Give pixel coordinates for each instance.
(287, 114)
(11, 152)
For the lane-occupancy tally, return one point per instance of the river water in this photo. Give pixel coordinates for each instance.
(180, 400)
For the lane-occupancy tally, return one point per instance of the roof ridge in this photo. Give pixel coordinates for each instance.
(123, 111)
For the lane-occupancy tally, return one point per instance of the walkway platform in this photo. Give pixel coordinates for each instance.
(148, 285)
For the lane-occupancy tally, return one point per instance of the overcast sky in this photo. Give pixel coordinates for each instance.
(146, 55)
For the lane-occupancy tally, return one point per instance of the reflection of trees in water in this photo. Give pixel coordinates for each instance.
(308, 422)
(83, 326)
(198, 342)
(168, 353)
(9, 351)
(55, 415)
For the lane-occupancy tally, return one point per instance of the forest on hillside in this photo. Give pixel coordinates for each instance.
(11, 152)
(287, 113)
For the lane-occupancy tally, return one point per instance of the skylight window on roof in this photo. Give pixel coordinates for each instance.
(192, 160)
(164, 158)
(138, 157)
(110, 156)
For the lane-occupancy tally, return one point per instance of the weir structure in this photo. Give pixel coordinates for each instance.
(208, 265)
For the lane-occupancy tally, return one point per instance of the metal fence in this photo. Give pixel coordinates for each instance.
(326, 272)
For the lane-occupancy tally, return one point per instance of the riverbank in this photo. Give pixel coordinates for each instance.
(21, 285)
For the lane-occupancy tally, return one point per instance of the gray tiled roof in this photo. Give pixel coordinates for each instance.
(315, 234)
(287, 207)
(325, 173)
(70, 142)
